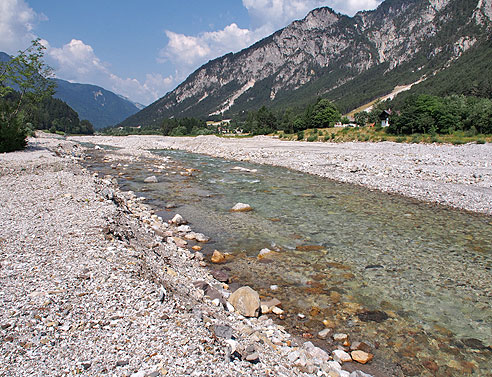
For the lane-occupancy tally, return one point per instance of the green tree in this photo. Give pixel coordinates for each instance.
(24, 81)
(361, 118)
(325, 114)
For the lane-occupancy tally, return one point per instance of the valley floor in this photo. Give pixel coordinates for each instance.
(456, 176)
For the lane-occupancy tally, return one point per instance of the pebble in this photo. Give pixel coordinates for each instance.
(361, 356)
(323, 334)
(241, 207)
(341, 356)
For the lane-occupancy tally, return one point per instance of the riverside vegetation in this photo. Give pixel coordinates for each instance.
(27, 103)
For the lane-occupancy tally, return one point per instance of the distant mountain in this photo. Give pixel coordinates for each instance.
(350, 60)
(98, 105)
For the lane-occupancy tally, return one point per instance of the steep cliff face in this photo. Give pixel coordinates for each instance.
(326, 52)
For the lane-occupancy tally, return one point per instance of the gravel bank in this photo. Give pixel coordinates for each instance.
(92, 283)
(456, 176)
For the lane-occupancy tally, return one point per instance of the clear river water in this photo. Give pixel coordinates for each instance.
(412, 279)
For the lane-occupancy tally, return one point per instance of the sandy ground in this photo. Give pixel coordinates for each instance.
(456, 176)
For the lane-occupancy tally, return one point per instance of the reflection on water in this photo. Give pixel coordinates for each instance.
(342, 250)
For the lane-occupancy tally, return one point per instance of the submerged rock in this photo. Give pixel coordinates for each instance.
(246, 301)
(373, 315)
(218, 257)
(151, 179)
(241, 207)
(361, 356)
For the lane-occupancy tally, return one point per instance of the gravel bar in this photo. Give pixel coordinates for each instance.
(92, 283)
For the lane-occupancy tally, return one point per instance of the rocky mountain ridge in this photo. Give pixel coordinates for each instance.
(327, 51)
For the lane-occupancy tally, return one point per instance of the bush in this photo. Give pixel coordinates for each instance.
(300, 135)
(312, 138)
(400, 139)
(480, 141)
(12, 136)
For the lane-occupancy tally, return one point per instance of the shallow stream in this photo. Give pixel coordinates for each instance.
(422, 272)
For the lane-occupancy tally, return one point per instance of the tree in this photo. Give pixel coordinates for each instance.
(24, 81)
(361, 118)
(325, 114)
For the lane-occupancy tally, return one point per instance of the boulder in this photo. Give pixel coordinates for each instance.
(246, 301)
(241, 207)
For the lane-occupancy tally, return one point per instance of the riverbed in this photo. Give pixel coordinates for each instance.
(410, 278)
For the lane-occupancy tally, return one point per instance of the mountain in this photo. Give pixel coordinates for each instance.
(350, 60)
(98, 105)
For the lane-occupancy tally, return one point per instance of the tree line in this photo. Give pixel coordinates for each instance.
(27, 103)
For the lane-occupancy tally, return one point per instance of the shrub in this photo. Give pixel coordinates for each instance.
(312, 138)
(300, 135)
(12, 135)
(480, 141)
(400, 139)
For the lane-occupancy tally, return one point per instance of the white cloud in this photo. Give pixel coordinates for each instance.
(17, 21)
(278, 13)
(187, 52)
(77, 62)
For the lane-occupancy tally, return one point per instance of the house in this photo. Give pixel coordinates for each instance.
(385, 118)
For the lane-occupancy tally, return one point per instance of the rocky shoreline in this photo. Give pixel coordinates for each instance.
(455, 176)
(94, 283)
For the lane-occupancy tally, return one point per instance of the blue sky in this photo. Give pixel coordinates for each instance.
(144, 49)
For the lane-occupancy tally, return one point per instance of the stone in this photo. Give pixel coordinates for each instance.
(196, 248)
(373, 315)
(265, 253)
(253, 357)
(246, 301)
(220, 275)
(223, 331)
(199, 256)
(122, 363)
(151, 179)
(319, 355)
(241, 207)
(361, 356)
(199, 237)
(363, 346)
(340, 337)
(341, 356)
(274, 287)
(324, 333)
(178, 220)
(218, 257)
(184, 228)
(277, 311)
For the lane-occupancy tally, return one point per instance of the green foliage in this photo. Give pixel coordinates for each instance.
(431, 114)
(324, 114)
(361, 118)
(12, 135)
(312, 138)
(23, 85)
(300, 135)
